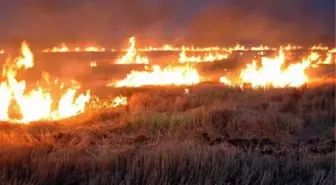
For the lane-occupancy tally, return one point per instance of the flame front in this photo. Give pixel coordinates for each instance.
(271, 73)
(36, 104)
(171, 75)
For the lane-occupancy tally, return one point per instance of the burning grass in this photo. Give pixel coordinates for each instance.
(210, 134)
(169, 125)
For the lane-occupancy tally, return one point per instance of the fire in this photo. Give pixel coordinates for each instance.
(2, 51)
(93, 49)
(62, 48)
(270, 73)
(319, 48)
(209, 57)
(316, 59)
(313, 56)
(333, 50)
(118, 101)
(237, 47)
(171, 75)
(225, 81)
(131, 55)
(291, 47)
(93, 64)
(36, 104)
(261, 48)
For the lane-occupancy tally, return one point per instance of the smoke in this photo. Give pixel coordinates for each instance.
(263, 22)
(110, 23)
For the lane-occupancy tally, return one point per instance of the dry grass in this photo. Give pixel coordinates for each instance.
(214, 135)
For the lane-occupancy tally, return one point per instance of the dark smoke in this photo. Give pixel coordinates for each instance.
(109, 23)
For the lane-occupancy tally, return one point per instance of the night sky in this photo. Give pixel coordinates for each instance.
(199, 22)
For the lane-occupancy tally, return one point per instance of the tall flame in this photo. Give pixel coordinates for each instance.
(271, 73)
(36, 104)
(131, 55)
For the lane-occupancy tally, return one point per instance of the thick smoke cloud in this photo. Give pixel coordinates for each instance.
(106, 22)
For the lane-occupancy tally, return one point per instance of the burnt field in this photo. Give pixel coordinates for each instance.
(207, 133)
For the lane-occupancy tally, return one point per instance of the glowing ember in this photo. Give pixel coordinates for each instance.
(171, 75)
(270, 73)
(225, 81)
(131, 56)
(36, 104)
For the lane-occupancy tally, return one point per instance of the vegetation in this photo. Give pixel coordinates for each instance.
(210, 135)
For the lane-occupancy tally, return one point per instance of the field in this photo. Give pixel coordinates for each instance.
(210, 135)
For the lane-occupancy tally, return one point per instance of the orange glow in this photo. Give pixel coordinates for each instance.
(93, 64)
(35, 104)
(99, 104)
(262, 48)
(119, 101)
(208, 57)
(171, 75)
(271, 74)
(94, 49)
(319, 48)
(291, 47)
(225, 81)
(64, 48)
(333, 50)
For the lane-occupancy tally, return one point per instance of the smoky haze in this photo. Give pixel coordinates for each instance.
(212, 22)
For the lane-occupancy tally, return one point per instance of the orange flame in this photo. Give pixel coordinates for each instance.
(209, 57)
(93, 64)
(36, 104)
(171, 75)
(225, 81)
(119, 101)
(106, 104)
(131, 55)
(319, 48)
(271, 73)
(64, 48)
(291, 47)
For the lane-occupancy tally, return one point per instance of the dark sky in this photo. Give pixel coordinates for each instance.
(200, 22)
